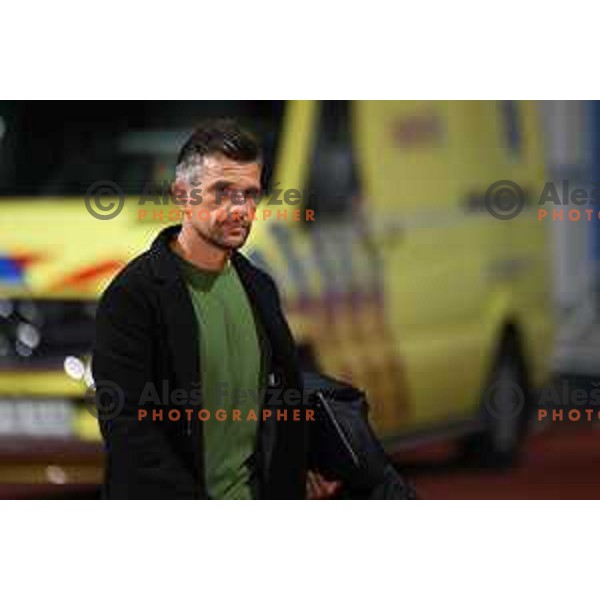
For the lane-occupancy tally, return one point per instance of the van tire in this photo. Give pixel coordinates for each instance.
(505, 411)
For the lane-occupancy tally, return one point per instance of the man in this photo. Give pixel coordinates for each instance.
(192, 319)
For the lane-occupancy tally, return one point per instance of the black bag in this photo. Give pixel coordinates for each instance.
(343, 447)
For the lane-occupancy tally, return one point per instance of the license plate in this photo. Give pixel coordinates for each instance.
(39, 417)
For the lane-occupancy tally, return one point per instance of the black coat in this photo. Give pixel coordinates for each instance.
(146, 331)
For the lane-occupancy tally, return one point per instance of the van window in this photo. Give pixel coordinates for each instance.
(511, 127)
(332, 182)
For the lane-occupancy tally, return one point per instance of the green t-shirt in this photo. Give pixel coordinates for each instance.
(230, 360)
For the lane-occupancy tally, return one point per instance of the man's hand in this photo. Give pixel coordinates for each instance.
(318, 488)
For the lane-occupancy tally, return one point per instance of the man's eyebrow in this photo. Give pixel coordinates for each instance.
(222, 183)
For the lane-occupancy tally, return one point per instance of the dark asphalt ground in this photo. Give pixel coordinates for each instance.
(559, 462)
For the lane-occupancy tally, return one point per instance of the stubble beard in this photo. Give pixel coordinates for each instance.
(215, 238)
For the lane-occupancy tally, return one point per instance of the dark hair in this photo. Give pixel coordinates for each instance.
(219, 136)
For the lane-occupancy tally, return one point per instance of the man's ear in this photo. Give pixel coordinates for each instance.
(179, 193)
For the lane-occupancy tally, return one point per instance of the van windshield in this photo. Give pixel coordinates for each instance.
(59, 148)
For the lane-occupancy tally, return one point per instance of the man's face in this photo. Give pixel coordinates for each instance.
(228, 190)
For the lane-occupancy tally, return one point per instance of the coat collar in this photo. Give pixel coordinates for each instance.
(165, 266)
(164, 263)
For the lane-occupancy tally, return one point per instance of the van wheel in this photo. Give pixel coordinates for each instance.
(505, 411)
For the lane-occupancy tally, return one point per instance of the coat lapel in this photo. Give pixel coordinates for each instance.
(177, 311)
(257, 303)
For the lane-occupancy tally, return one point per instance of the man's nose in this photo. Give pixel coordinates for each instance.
(243, 204)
